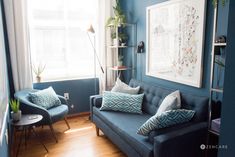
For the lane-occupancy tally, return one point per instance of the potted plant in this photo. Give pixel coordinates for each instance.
(15, 107)
(120, 60)
(38, 70)
(118, 20)
(215, 2)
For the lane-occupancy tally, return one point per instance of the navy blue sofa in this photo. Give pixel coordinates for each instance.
(181, 140)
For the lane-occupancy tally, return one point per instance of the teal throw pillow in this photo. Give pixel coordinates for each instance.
(166, 119)
(122, 102)
(45, 98)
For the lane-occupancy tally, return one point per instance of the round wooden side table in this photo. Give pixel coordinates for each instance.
(27, 123)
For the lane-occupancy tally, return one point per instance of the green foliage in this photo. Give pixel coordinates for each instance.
(121, 36)
(215, 2)
(119, 19)
(15, 105)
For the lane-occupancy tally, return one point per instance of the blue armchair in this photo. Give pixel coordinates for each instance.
(50, 116)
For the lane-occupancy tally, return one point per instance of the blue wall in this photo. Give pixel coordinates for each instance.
(79, 92)
(136, 13)
(227, 136)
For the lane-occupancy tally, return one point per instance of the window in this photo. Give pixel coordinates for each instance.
(58, 37)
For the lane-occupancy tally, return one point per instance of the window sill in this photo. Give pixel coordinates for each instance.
(65, 79)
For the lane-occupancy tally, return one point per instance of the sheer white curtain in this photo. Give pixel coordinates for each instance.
(15, 11)
(105, 10)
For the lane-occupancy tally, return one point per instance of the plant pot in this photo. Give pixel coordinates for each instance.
(38, 79)
(115, 42)
(16, 116)
(119, 63)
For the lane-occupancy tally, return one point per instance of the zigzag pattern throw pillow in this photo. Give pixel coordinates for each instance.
(122, 102)
(166, 119)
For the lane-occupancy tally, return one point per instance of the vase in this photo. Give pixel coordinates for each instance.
(119, 63)
(115, 42)
(38, 79)
(16, 116)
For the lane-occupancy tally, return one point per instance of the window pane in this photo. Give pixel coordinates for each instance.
(58, 37)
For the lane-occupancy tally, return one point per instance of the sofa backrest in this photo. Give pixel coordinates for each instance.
(154, 95)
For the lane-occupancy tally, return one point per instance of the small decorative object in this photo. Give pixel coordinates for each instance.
(16, 112)
(38, 70)
(120, 60)
(220, 39)
(140, 48)
(175, 37)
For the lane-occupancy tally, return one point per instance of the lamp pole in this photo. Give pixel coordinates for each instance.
(91, 30)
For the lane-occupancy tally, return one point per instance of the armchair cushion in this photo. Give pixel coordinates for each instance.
(57, 113)
(46, 98)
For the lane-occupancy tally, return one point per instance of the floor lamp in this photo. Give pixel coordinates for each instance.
(96, 57)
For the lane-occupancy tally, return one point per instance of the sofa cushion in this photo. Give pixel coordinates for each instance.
(170, 102)
(122, 102)
(126, 125)
(124, 88)
(166, 119)
(154, 95)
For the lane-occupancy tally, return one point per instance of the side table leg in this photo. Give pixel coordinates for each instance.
(39, 138)
(21, 136)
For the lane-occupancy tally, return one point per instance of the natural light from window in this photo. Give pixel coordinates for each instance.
(58, 37)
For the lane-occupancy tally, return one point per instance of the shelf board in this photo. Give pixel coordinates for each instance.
(220, 44)
(112, 46)
(214, 132)
(120, 68)
(219, 90)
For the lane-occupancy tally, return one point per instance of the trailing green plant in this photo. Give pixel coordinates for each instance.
(215, 2)
(15, 105)
(38, 69)
(120, 57)
(121, 36)
(118, 19)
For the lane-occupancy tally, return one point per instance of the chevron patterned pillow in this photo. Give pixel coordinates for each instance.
(166, 119)
(122, 102)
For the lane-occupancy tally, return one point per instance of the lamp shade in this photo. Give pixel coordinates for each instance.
(91, 29)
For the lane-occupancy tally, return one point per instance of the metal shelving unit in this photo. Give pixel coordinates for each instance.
(213, 57)
(116, 49)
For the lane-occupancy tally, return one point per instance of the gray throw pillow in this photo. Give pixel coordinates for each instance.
(170, 102)
(116, 101)
(166, 119)
(45, 98)
(124, 88)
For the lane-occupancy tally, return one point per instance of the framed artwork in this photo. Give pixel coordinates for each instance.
(175, 37)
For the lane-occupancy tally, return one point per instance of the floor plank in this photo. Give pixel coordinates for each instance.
(79, 141)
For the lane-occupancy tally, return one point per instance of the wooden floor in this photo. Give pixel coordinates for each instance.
(79, 141)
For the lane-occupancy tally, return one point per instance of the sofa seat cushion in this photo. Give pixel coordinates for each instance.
(58, 112)
(126, 126)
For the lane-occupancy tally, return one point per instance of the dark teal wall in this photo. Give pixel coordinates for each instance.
(228, 109)
(136, 13)
(79, 90)
(4, 147)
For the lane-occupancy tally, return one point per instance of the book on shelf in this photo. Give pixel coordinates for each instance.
(119, 67)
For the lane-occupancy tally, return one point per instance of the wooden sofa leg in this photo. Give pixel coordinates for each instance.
(97, 131)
